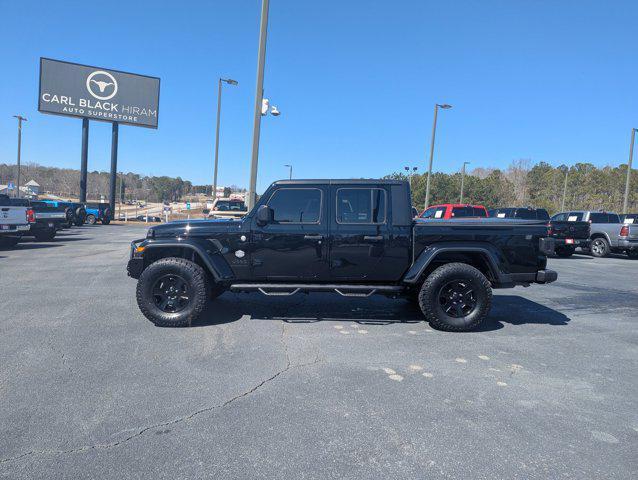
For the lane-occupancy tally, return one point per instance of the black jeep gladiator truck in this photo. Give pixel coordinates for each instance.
(352, 237)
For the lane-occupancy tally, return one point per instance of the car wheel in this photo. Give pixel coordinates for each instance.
(9, 242)
(633, 254)
(172, 292)
(599, 247)
(90, 219)
(565, 252)
(455, 297)
(45, 236)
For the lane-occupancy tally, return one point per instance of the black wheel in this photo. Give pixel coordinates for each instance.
(565, 252)
(106, 220)
(455, 297)
(599, 247)
(172, 292)
(90, 219)
(45, 236)
(8, 242)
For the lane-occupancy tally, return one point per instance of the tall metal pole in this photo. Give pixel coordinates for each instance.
(462, 180)
(427, 183)
(562, 205)
(20, 120)
(113, 173)
(219, 107)
(631, 157)
(84, 158)
(259, 95)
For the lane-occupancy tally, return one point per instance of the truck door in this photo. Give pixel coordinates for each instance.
(293, 247)
(364, 247)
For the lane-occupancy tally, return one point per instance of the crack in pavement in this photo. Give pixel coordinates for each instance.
(141, 432)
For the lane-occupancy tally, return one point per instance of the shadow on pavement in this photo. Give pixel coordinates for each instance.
(313, 308)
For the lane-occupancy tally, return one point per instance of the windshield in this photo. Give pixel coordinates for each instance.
(230, 206)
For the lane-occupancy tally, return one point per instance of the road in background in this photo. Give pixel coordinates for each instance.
(314, 386)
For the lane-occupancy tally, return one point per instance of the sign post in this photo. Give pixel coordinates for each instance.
(94, 93)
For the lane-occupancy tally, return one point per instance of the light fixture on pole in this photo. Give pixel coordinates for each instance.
(463, 180)
(410, 174)
(229, 81)
(631, 157)
(444, 106)
(259, 95)
(290, 171)
(20, 120)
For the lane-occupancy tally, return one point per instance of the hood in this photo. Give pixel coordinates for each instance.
(193, 228)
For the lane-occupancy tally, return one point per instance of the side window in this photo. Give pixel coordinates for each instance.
(575, 217)
(429, 213)
(361, 205)
(479, 212)
(598, 217)
(560, 217)
(296, 205)
(613, 218)
(542, 214)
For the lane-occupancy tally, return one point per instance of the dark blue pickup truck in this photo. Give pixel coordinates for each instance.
(352, 237)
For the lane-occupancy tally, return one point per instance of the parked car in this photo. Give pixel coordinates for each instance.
(522, 213)
(629, 218)
(454, 210)
(604, 230)
(98, 212)
(352, 237)
(15, 220)
(569, 234)
(143, 218)
(628, 239)
(227, 208)
(48, 219)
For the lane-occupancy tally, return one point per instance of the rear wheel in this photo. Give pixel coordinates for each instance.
(90, 219)
(455, 297)
(599, 247)
(172, 292)
(565, 252)
(45, 236)
(9, 242)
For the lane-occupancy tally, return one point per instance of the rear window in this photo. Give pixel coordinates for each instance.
(230, 206)
(525, 214)
(469, 211)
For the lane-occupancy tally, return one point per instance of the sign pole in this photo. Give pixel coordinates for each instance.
(85, 158)
(20, 120)
(114, 135)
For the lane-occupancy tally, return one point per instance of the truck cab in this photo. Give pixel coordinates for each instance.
(352, 237)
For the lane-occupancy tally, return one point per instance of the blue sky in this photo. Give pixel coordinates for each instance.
(356, 82)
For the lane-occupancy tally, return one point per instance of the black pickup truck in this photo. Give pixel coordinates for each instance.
(48, 218)
(352, 237)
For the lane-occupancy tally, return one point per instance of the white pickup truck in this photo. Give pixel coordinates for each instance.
(14, 221)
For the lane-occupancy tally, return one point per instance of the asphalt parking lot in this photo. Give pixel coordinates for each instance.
(315, 386)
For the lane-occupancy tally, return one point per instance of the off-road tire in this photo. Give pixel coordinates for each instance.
(599, 247)
(45, 236)
(90, 219)
(434, 284)
(564, 252)
(106, 221)
(633, 254)
(8, 242)
(194, 276)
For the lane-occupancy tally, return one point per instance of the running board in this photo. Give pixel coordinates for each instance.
(287, 289)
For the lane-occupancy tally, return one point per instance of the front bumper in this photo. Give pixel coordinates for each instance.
(546, 276)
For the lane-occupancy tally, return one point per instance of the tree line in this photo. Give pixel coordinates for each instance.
(539, 185)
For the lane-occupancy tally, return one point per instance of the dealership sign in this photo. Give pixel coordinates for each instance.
(98, 93)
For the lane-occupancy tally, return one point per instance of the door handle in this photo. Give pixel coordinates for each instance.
(313, 237)
(373, 238)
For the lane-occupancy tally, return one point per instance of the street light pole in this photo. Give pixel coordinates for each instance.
(427, 184)
(290, 171)
(219, 108)
(463, 180)
(631, 157)
(562, 205)
(20, 120)
(259, 95)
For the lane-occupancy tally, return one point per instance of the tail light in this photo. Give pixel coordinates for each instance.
(549, 229)
(30, 216)
(624, 231)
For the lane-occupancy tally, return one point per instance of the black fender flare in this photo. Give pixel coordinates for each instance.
(210, 255)
(429, 254)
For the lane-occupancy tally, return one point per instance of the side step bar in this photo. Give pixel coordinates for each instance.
(287, 289)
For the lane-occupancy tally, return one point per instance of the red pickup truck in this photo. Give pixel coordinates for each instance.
(454, 210)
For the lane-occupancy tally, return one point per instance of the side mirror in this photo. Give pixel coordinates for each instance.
(265, 215)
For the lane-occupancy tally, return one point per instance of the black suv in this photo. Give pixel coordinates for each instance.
(352, 237)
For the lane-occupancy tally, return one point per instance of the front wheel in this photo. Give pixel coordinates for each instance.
(172, 292)
(455, 297)
(599, 247)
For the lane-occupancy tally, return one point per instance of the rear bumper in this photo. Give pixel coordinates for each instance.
(572, 242)
(546, 276)
(14, 229)
(541, 276)
(628, 244)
